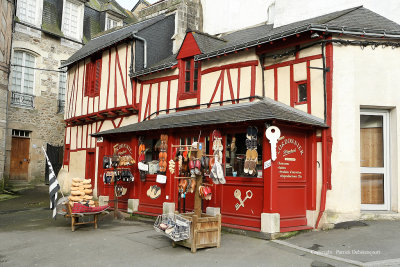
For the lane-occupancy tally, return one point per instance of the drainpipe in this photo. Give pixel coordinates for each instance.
(261, 58)
(144, 49)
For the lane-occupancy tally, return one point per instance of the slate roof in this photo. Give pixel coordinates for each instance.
(111, 37)
(357, 21)
(264, 109)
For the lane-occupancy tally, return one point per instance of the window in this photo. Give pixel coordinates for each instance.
(61, 90)
(374, 160)
(301, 92)
(26, 11)
(20, 133)
(93, 78)
(71, 15)
(191, 70)
(111, 23)
(235, 158)
(23, 72)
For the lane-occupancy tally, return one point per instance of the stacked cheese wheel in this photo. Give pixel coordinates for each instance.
(81, 191)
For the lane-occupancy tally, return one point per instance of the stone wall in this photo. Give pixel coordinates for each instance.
(44, 121)
(189, 15)
(6, 16)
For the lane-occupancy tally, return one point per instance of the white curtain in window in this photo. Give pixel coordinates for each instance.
(23, 77)
(111, 23)
(26, 10)
(70, 19)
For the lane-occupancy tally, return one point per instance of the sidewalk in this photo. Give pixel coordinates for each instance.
(360, 243)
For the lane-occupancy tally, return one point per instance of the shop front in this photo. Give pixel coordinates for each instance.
(252, 158)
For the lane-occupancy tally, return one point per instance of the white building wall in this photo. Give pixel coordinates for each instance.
(361, 78)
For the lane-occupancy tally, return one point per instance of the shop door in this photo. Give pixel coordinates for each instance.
(90, 166)
(375, 190)
(19, 164)
(290, 170)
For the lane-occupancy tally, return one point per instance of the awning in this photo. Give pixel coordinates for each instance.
(264, 109)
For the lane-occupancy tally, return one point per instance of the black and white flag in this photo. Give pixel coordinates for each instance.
(53, 186)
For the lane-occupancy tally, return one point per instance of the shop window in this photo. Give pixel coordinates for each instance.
(152, 149)
(190, 79)
(235, 158)
(93, 77)
(301, 92)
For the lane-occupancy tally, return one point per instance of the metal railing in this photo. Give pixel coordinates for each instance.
(22, 100)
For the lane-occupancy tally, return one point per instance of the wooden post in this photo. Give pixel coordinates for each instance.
(194, 233)
(197, 198)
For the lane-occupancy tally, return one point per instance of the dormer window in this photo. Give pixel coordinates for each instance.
(112, 22)
(27, 11)
(191, 70)
(72, 19)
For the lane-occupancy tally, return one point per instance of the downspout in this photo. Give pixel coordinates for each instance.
(144, 49)
(326, 140)
(261, 58)
(134, 36)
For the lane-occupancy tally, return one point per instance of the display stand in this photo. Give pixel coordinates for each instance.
(205, 230)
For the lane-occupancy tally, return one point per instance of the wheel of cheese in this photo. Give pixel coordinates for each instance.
(76, 180)
(86, 181)
(76, 184)
(87, 197)
(87, 186)
(88, 191)
(74, 188)
(91, 202)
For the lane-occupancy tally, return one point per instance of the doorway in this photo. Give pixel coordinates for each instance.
(374, 160)
(19, 164)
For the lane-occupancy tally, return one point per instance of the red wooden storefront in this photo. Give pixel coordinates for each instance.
(286, 186)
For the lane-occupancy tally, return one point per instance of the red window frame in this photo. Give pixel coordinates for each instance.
(93, 77)
(296, 92)
(189, 84)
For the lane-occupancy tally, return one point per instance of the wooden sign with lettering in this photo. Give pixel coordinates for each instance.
(290, 161)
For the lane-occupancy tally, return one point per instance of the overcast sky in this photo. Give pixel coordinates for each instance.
(129, 4)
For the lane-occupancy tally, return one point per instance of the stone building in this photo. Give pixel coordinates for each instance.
(46, 33)
(6, 17)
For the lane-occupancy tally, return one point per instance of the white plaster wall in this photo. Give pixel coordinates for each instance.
(361, 78)
(228, 15)
(288, 11)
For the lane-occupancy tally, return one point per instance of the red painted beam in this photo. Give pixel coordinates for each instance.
(231, 66)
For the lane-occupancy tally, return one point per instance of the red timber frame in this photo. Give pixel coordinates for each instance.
(265, 190)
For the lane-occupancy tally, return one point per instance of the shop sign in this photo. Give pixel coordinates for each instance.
(290, 163)
(122, 149)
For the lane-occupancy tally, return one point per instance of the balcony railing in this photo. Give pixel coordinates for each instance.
(22, 100)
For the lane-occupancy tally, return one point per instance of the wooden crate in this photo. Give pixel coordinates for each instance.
(205, 231)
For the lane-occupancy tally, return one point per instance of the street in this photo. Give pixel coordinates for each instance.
(29, 237)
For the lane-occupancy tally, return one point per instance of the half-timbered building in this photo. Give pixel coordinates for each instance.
(326, 83)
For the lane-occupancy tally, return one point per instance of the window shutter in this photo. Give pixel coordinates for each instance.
(97, 76)
(87, 79)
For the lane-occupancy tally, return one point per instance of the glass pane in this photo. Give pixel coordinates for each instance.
(187, 87)
(371, 145)
(187, 76)
(302, 92)
(196, 74)
(372, 188)
(187, 65)
(195, 86)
